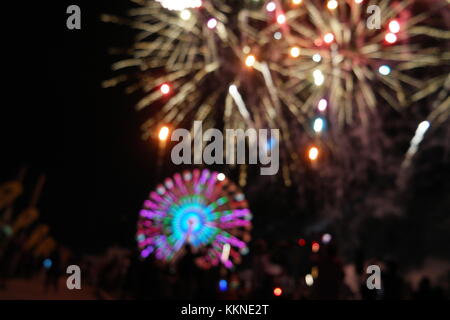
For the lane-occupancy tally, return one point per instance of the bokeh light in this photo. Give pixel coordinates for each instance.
(277, 292)
(390, 38)
(295, 52)
(212, 23)
(223, 285)
(332, 4)
(163, 133)
(271, 6)
(281, 19)
(394, 26)
(250, 60)
(322, 105)
(313, 153)
(384, 70)
(165, 89)
(326, 238)
(328, 38)
(318, 125)
(185, 15)
(315, 247)
(309, 280)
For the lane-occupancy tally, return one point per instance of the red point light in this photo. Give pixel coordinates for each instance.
(390, 38)
(165, 89)
(301, 242)
(277, 292)
(394, 26)
(315, 247)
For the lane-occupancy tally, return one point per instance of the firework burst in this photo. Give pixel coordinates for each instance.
(273, 64)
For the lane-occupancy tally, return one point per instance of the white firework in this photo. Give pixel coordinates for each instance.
(180, 5)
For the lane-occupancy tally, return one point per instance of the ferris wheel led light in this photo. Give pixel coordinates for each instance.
(201, 209)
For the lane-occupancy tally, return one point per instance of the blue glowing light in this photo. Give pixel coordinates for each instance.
(189, 221)
(47, 263)
(319, 124)
(223, 285)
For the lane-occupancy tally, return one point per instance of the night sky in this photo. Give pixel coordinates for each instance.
(58, 120)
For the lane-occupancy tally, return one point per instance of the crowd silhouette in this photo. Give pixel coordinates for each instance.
(275, 271)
